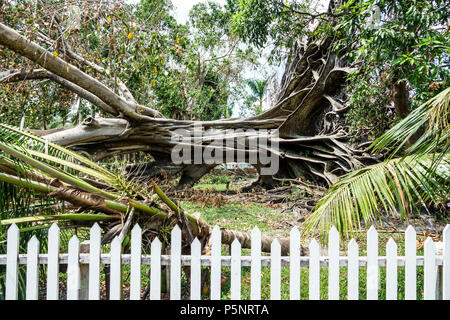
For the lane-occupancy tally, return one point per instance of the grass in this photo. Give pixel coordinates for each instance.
(218, 180)
(215, 186)
(244, 217)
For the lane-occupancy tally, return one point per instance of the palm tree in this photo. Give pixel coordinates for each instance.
(258, 89)
(398, 186)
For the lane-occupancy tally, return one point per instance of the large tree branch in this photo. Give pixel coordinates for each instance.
(72, 54)
(16, 75)
(19, 44)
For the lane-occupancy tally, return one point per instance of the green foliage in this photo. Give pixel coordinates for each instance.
(188, 71)
(408, 42)
(398, 184)
(277, 21)
(254, 100)
(369, 115)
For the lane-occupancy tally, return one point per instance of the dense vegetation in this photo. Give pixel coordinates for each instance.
(361, 112)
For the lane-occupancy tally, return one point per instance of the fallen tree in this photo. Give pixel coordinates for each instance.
(303, 125)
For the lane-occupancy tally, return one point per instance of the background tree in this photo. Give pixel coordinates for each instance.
(401, 56)
(254, 100)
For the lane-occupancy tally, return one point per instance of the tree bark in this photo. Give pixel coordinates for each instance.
(305, 120)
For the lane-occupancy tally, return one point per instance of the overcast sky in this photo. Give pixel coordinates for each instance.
(182, 8)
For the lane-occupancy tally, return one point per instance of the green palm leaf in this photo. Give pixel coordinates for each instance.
(390, 188)
(433, 115)
(29, 141)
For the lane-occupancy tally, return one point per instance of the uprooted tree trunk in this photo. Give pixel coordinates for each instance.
(304, 122)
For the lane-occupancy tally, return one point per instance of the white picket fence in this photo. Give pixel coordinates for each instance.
(83, 269)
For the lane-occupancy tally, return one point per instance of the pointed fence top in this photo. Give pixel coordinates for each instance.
(74, 241)
(195, 242)
(295, 232)
(353, 244)
(156, 241)
(136, 229)
(33, 240)
(13, 228)
(333, 229)
(391, 243)
(115, 242)
(236, 243)
(95, 227)
(314, 245)
(372, 233)
(428, 242)
(176, 229)
(410, 230)
(275, 245)
(53, 228)
(255, 231)
(216, 233)
(333, 234)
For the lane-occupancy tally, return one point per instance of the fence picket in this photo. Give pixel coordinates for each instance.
(410, 264)
(235, 289)
(73, 269)
(446, 266)
(12, 263)
(32, 286)
(430, 261)
(135, 263)
(372, 264)
(391, 270)
(175, 264)
(115, 282)
(196, 253)
(155, 271)
(255, 268)
(353, 271)
(314, 270)
(53, 263)
(333, 267)
(94, 262)
(216, 254)
(294, 270)
(429, 272)
(275, 270)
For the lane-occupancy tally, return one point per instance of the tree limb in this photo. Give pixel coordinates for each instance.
(15, 76)
(19, 44)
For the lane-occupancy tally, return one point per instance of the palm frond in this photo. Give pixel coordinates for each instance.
(390, 188)
(433, 116)
(60, 155)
